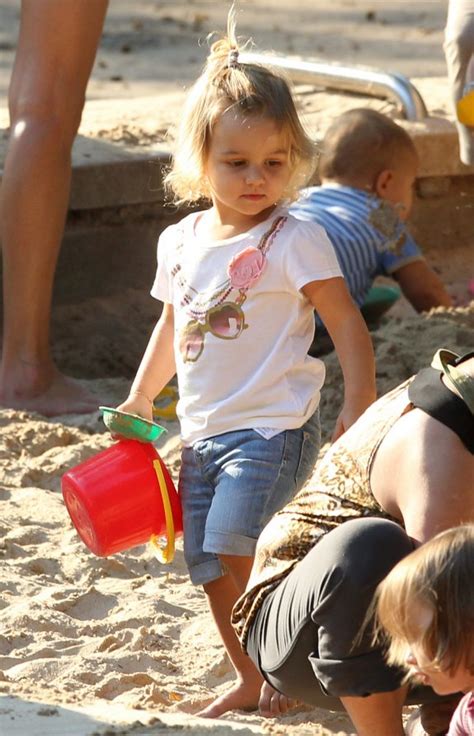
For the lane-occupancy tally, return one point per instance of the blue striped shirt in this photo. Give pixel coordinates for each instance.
(368, 236)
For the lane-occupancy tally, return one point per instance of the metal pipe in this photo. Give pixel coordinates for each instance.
(362, 80)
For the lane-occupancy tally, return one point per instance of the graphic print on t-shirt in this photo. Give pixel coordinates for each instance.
(217, 313)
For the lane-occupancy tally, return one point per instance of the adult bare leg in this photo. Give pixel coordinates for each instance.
(379, 714)
(56, 49)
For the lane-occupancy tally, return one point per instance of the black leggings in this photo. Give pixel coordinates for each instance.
(306, 639)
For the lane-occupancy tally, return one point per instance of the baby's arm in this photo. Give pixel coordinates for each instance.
(422, 286)
(156, 368)
(343, 321)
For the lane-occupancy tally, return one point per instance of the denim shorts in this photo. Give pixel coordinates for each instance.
(232, 484)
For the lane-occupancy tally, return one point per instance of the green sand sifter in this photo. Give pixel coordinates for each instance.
(130, 426)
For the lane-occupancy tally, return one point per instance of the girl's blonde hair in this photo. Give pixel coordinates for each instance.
(252, 89)
(439, 578)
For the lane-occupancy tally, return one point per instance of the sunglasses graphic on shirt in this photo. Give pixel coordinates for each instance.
(226, 321)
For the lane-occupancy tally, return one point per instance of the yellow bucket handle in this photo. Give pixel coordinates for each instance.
(168, 411)
(164, 554)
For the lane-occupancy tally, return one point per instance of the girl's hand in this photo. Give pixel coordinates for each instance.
(351, 339)
(138, 404)
(350, 412)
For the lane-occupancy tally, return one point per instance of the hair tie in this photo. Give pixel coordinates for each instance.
(233, 59)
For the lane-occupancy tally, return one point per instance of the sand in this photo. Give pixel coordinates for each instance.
(87, 644)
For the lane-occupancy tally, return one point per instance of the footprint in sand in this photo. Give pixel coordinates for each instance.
(114, 686)
(26, 536)
(88, 607)
(112, 643)
(11, 550)
(44, 566)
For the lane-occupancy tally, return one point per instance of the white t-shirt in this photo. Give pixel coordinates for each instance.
(263, 377)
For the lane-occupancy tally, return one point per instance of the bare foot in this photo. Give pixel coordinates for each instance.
(59, 395)
(273, 703)
(241, 696)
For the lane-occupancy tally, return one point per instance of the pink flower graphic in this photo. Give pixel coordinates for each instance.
(246, 267)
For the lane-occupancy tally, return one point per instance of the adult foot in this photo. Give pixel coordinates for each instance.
(241, 696)
(59, 395)
(273, 703)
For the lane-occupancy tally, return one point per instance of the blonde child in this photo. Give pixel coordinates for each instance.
(239, 281)
(426, 608)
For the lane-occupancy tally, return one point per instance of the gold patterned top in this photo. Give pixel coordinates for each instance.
(339, 490)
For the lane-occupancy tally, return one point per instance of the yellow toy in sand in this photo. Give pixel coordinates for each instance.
(465, 106)
(164, 405)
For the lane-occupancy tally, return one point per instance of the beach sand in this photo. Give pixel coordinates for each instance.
(88, 644)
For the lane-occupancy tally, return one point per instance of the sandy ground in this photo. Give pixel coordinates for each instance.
(88, 644)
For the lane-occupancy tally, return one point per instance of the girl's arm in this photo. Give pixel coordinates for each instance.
(156, 368)
(349, 333)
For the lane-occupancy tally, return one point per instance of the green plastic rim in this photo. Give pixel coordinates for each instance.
(130, 426)
(382, 295)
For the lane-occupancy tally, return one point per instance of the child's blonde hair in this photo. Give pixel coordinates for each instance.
(437, 577)
(360, 144)
(252, 89)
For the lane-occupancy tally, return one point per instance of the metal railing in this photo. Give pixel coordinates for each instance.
(363, 80)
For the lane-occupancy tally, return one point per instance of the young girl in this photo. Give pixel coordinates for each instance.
(426, 607)
(239, 281)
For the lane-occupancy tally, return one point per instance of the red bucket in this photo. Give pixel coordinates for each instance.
(123, 497)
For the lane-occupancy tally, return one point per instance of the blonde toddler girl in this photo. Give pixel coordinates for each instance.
(239, 280)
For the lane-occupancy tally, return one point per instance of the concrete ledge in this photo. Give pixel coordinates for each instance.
(436, 141)
(435, 137)
(108, 174)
